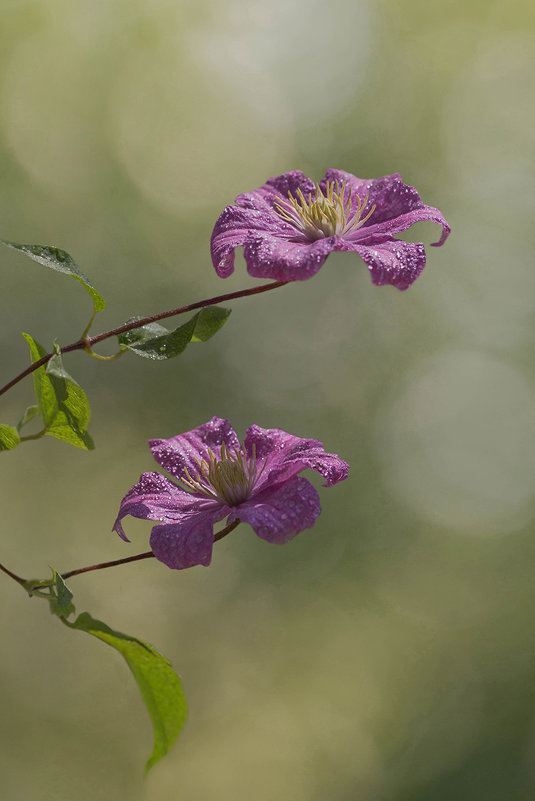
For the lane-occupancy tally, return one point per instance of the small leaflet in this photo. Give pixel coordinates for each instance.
(62, 262)
(28, 415)
(154, 341)
(62, 403)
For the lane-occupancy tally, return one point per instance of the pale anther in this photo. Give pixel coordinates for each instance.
(326, 214)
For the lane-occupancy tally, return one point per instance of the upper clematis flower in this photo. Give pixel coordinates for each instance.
(289, 226)
(255, 483)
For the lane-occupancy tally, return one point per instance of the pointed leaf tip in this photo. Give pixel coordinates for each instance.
(62, 262)
(160, 687)
(153, 341)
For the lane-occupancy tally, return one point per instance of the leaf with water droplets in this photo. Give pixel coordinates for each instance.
(153, 341)
(62, 262)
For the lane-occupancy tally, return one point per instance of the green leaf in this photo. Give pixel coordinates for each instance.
(208, 322)
(60, 597)
(64, 594)
(55, 591)
(28, 415)
(61, 261)
(159, 685)
(9, 437)
(44, 391)
(153, 341)
(62, 403)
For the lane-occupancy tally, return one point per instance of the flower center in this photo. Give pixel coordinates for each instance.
(326, 214)
(229, 480)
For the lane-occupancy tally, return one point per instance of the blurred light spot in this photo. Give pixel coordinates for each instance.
(441, 738)
(12, 5)
(49, 118)
(311, 710)
(179, 140)
(459, 445)
(288, 61)
(488, 126)
(437, 588)
(487, 288)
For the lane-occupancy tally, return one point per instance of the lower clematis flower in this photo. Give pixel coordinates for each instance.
(255, 483)
(289, 226)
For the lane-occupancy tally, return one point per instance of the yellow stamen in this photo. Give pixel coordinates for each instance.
(327, 214)
(229, 479)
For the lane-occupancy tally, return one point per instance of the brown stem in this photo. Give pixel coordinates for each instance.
(146, 555)
(136, 558)
(200, 304)
(87, 342)
(226, 530)
(12, 575)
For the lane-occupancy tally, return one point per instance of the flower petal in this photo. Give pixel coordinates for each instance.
(252, 213)
(279, 513)
(285, 455)
(185, 544)
(273, 248)
(393, 262)
(184, 451)
(284, 260)
(154, 497)
(236, 224)
(358, 185)
(277, 188)
(290, 182)
(397, 205)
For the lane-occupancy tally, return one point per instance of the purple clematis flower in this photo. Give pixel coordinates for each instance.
(255, 483)
(289, 226)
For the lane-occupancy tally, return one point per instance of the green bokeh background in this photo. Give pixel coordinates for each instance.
(387, 654)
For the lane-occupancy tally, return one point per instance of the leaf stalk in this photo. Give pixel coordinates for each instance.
(87, 342)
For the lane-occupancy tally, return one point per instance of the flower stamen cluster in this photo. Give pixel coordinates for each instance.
(218, 478)
(290, 225)
(229, 480)
(326, 214)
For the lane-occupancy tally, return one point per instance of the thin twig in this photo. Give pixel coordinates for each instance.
(12, 575)
(87, 342)
(69, 573)
(146, 555)
(200, 304)
(226, 530)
